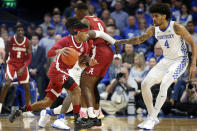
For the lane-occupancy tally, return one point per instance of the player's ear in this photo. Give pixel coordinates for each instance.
(164, 17)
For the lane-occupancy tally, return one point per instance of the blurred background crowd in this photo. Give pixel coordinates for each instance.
(120, 89)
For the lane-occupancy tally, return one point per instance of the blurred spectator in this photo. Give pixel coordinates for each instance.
(2, 50)
(39, 32)
(36, 67)
(128, 56)
(121, 17)
(3, 29)
(147, 5)
(91, 10)
(175, 8)
(59, 27)
(105, 15)
(190, 28)
(157, 54)
(111, 30)
(116, 93)
(138, 71)
(130, 30)
(69, 11)
(184, 17)
(114, 68)
(131, 7)
(46, 23)
(56, 10)
(58, 37)
(49, 41)
(146, 45)
(65, 31)
(188, 101)
(5, 37)
(194, 11)
(152, 62)
(110, 21)
(140, 14)
(30, 30)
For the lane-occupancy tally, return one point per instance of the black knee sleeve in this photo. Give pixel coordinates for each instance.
(96, 92)
(68, 83)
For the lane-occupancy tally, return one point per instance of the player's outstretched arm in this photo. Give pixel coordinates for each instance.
(182, 31)
(139, 39)
(101, 34)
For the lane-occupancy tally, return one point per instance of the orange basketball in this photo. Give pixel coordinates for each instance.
(71, 58)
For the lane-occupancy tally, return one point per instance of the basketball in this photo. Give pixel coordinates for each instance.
(71, 58)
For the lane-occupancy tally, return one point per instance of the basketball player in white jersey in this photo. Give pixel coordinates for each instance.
(171, 36)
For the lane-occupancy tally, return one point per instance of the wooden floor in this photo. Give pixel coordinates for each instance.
(110, 123)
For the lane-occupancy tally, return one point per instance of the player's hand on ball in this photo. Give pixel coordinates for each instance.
(92, 62)
(64, 51)
(21, 70)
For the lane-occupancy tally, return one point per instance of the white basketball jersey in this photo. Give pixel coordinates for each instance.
(173, 45)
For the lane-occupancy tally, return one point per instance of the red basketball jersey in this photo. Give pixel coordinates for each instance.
(69, 41)
(97, 24)
(17, 51)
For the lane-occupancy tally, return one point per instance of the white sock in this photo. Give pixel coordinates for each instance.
(91, 112)
(0, 107)
(57, 110)
(96, 112)
(161, 98)
(83, 109)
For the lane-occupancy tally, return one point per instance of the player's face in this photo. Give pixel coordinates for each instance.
(158, 18)
(83, 36)
(20, 32)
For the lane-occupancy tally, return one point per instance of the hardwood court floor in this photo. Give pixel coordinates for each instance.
(110, 123)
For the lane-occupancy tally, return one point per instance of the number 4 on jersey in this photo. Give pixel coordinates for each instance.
(166, 44)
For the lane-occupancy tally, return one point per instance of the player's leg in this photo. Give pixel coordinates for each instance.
(174, 71)
(10, 70)
(154, 76)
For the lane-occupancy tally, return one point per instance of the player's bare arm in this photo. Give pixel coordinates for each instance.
(28, 60)
(139, 39)
(182, 31)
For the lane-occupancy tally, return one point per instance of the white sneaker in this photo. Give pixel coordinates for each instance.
(28, 114)
(61, 124)
(44, 119)
(150, 123)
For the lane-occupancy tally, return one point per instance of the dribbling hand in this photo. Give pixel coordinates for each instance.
(64, 51)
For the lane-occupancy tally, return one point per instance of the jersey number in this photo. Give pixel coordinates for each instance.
(18, 54)
(100, 27)
(166, 44)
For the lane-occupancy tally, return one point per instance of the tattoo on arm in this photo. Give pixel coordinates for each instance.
(177, 28)
(139, 39)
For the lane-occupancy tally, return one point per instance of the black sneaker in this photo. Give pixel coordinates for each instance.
(95, 121)
(82, 123)
(14, 113)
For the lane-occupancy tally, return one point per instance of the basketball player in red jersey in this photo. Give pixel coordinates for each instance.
(18, 56)
(91, 76)
(58, 73)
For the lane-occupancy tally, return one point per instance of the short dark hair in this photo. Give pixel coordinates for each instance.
(71, 22)
(80, 26)
(190, 22)
(161, 8)
(82, 6)
(19, 26)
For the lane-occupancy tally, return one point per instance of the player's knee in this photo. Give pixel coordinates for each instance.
(69, 84)
(77, 91)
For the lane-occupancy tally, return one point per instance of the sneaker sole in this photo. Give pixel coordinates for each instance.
(54, 126)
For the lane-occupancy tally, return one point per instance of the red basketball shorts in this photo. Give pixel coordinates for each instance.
(104, 56)
(11, 72)
(58, 79)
